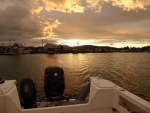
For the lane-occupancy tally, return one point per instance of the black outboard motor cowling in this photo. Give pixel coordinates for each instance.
(54, 82)
(28, 93)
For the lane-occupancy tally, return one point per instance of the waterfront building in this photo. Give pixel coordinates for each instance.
(17, 48)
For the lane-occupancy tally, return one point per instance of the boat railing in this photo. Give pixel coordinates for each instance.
(133, 103)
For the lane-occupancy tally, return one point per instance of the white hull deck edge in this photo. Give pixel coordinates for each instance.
(104, 97)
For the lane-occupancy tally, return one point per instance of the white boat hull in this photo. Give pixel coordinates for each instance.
(104, 97)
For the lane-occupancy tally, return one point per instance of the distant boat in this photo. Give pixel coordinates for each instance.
(97, 96)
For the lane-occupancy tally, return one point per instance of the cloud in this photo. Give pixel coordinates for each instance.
(131, 4)
(66, 6)
(36, 9)
(124, 4)
(95, 4)
(111, 25)
(21, 22)
(78, 6)
(101, 20)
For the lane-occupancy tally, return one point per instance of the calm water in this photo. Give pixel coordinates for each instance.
(128, 70)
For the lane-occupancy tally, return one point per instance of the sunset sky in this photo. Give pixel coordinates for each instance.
(115, 23)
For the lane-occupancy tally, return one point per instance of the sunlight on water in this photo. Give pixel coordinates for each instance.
(128, 70)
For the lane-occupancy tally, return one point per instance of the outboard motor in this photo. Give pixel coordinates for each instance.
(28, 93)
(54, 83)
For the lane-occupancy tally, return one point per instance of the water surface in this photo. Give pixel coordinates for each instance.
(128, 70)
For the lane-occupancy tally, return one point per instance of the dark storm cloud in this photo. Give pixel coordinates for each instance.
(21, 22)
(16, 22)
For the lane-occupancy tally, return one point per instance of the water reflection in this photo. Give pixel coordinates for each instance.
(129, 70)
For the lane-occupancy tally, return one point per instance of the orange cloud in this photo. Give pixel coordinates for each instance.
(131, 4)
(96, 4)
(76, 6)
(124, 4)
(46, 27)
(37, 9)
(66, 6)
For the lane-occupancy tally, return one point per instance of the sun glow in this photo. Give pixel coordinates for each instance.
(75, 42)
